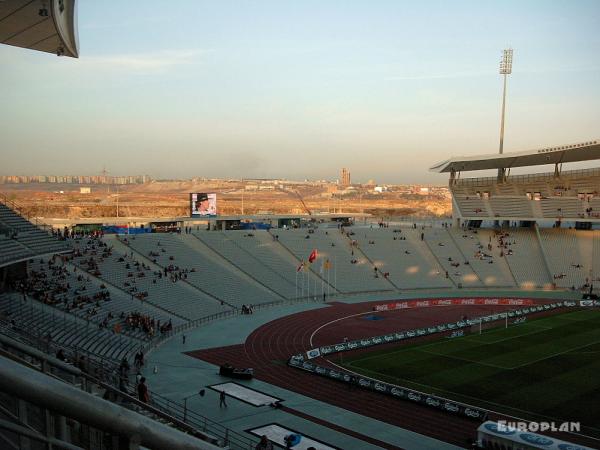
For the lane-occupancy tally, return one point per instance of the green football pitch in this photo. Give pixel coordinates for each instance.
(544, 369)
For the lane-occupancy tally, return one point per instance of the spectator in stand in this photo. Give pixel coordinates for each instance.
(142, 390)
(264, 444)
(124, 367)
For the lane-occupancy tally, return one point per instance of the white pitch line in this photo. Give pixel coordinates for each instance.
(472, 361)
(337, 320)
(472, 398)
(556, 354)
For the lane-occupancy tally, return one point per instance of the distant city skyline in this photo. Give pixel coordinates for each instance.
(141, 179)
(297, 90)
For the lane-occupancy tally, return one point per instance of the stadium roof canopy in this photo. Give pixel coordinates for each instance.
(47, 26)
(584, 151)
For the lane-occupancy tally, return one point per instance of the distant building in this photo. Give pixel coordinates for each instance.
(345, 180)
(74, 179)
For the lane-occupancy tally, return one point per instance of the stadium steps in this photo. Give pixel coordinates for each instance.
(213, 248)
(444, 248)
(278, 268)
(298, 262)
(485, 236)
(505, 189)
(564, 250)
(270, 253)
(362, 271)
(350, 278)
(596, 255)
(207, 271)
(437, 259)
(512, 274)
(149, 304)
(414, 236)
(40, 320)
(38, 240)
(542, 251)
(119, 302)
(495, 274)
(196, 290)
(558, 207)
(359, 249)
(536, 207)
(193, 242)
(464, 256)
(195, 286)
(527, 261)
(472, 205)
(515, 206)
(13, 250)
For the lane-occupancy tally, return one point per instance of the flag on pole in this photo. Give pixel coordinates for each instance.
(313, 255)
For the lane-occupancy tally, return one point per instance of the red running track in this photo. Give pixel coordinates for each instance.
(269, 347)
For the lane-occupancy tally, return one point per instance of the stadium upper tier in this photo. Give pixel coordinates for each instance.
(566, 195)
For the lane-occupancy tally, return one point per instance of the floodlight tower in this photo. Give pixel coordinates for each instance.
(505, 69)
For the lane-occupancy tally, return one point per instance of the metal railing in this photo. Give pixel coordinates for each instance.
(527, 178)
(168, 411)
(102, 367)
(180, 411)
(50, 392)
(20, 210)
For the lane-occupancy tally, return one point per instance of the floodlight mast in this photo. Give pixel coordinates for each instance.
(505, 69)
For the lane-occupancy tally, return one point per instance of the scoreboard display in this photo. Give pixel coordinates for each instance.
(203, 204)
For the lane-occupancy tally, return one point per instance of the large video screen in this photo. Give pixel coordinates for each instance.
(203, 204)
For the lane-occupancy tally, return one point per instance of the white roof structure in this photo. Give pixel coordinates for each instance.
(583, 151)
(47, 26)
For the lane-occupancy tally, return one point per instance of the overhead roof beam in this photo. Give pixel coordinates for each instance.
(586, 151)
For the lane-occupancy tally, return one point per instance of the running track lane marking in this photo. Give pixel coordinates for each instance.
(340, 429)
(375, 312)
(337, 320)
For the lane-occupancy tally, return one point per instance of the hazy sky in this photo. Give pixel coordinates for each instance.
(298, 89)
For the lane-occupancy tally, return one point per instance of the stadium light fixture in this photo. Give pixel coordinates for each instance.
(506, 63)
(43, 11)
